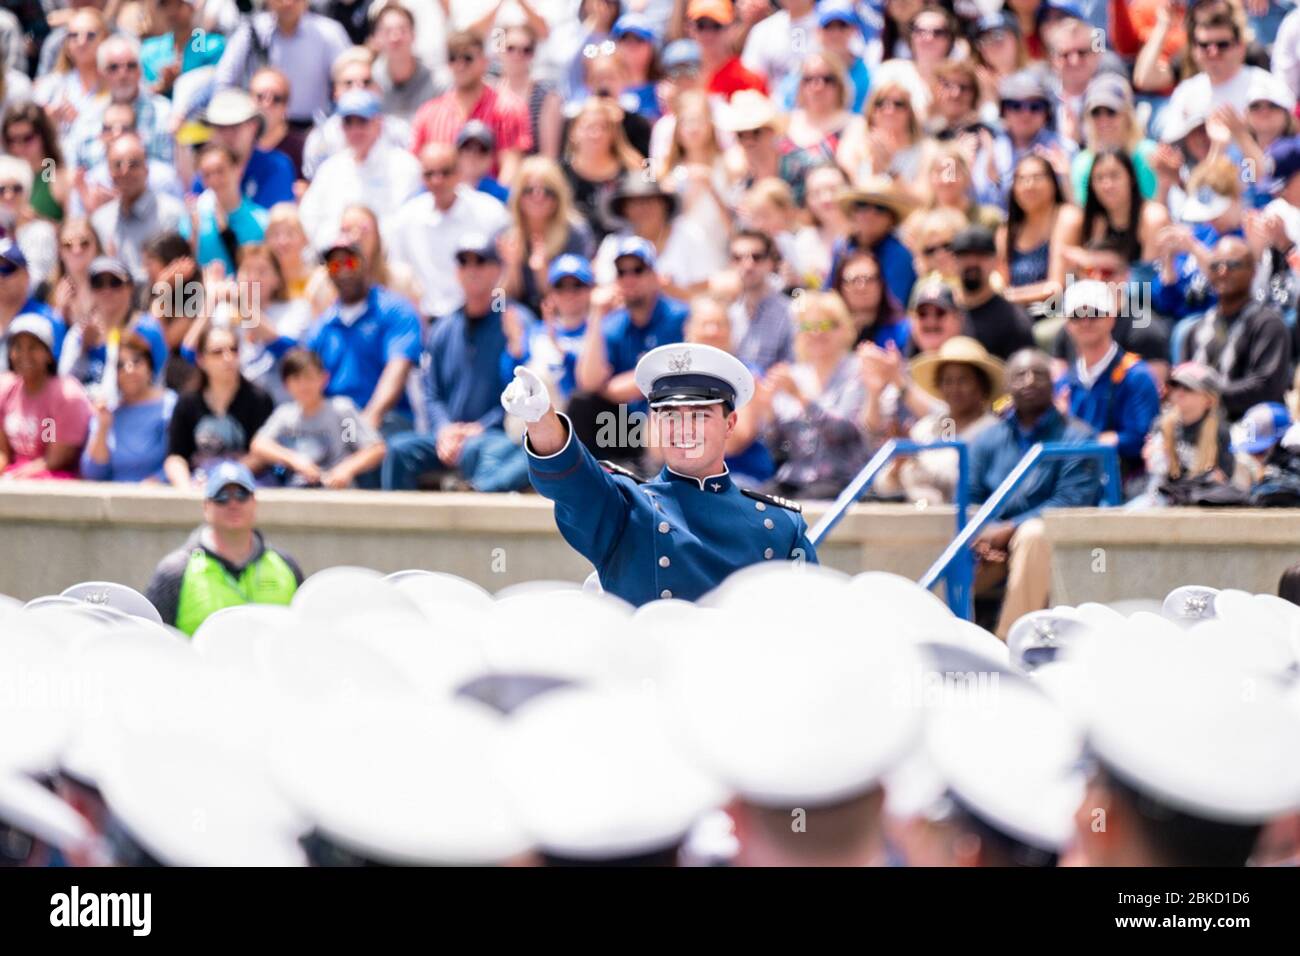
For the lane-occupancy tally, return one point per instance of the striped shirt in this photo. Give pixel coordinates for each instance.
(440, 119)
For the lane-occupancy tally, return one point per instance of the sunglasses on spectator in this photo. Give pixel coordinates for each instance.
(126, 165)
(957, 85)
(704, 25)
(1023, 106)
(232, 493)
(119, 129)
(1219, 46)
(355, 121)
(88, 37)
(1105, 111)
(471, 261)
(748, 256)
(275, 99)
(525, 50)
(750, 135)
(1074, 56)
(7, 268)
(130, 66)
(684, 71)
(10, 189)
(462, 57)
(897, 104)
(541, 192)
(861, 281)
(1227, 265)
(637, 270)
(932, 312)
(819, 79)
(344, 263)
(935, 249)
(23, 139)
(102, 282)
(432, 172)
(75, 245)
(992, 36)
(863, 205)
(1263, 106)
(931, 33)
(824, 325)
(569, 285)
(473, 146)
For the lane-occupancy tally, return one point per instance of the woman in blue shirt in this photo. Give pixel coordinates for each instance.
(128, 441)
(223, 217)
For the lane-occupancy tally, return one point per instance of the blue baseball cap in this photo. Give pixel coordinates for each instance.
(569, 266)
(361, 103)
(1260, 428)
(680, 53)
(637, 247)
(634, 24)
(1284, 156)
(11, 254)
(1063, 8)
(838, 11)
(229, 473)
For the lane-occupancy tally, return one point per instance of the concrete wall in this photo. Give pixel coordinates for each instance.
(53, 534)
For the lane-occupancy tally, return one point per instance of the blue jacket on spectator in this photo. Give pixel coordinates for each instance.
(897, 265)
(1124, 399)
(355, 352)
(626, 342)
(137, 442)
(561, 355)
(1061, 483)
(462, 367)
(1190, 292)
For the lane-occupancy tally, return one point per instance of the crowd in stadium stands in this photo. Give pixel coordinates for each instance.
(318, 238)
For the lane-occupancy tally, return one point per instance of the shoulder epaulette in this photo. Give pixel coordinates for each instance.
(773, 500)
(614, 469)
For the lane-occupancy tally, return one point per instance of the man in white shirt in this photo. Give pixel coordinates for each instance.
(777, 45)
(1286, 51)
(425, 232)
(1219, 49)
(370, 172)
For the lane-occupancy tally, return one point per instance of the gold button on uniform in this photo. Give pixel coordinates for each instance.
(665, 594)
(664, 562)
(767, 523)
(663, 527)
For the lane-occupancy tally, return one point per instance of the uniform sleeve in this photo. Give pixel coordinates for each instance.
(590, 508)
(804, 550)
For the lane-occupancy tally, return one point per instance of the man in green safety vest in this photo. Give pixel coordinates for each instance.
(225, 562)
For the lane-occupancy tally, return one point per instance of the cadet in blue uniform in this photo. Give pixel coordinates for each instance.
(681, 533)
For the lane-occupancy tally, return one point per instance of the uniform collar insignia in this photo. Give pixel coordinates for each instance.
(712, 483)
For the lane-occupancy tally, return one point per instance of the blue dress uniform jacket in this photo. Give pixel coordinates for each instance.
(670, 537)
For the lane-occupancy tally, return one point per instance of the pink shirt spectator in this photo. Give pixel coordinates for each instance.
(60, 412)
(440, 119)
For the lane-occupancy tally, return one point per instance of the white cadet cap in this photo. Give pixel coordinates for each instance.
(118, 597)
(595, 776)
(689, 374)
(1088, 294)
(795, 718)
(1010, 758)
(32, 809)
(402, 784)
(1038, 637)
(1192, 602)
(1180, 726)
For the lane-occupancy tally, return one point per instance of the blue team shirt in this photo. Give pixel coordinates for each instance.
(268, 178)
(355, 354)
(1128, 408)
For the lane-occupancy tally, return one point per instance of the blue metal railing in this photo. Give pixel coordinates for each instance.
(956, 558)
(957, 565)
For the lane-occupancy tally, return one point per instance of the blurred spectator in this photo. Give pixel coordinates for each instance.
(440, 119)
(128, 438)
(635, 45)
(360, 226)
(693, 166)
(35, 236)
(180, 47)
(67, 290)
(371, 171)
(74, 84)
(1014, 549)
(1267, 450)
(266, 176)
(1112, 390)
(93, 187)
(225, 562)
(16, 298)
(44, 416)
(29, 135)
(711, 25)
(643, 318)
(827, 223)
(929, 234)
(137, 214)
(1111, 123)
(876, 315)
(874, 208)
(1000, 327)
(817, 404)
(954, 113)
(368, 341)
(404, 79)
(761, 327)
(119, 63)
(1076, 53)
(545, 106)
(288, 241)
(778, 43)
(1025, 242)
(597, 159)
(90, 349)
(821, 119)
(424, 233)
(460, 372)
(269, 90)
(293, 39)
(685, 255)
(1245, 341)
(1218, 48)
(838, 24)
(215, 422)
(1189, 447)
(753, 120)
(890, 143)
(222, 221)
(551, 347)
(1212, 209)
(353, 71)
(318, 441)
(543, 227)
(1026, 111)
(474, 147)
(967, 380)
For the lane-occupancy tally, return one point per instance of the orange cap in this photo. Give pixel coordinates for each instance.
(717, 10)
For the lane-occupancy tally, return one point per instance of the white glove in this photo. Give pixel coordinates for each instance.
(526, 396)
